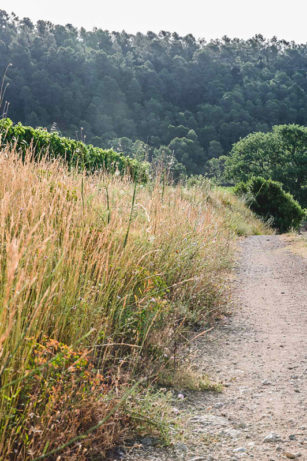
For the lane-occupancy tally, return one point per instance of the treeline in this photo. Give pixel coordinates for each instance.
(151, 95)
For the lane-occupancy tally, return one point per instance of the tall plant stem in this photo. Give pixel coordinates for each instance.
(131, 212)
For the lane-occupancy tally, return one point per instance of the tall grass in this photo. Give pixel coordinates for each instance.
(97, 277)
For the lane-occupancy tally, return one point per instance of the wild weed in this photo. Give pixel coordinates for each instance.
(97, 280)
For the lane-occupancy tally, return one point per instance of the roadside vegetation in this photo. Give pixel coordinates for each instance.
(280, 155)
(269, 170)
(268, 199)
(75, 153)
(100, 277)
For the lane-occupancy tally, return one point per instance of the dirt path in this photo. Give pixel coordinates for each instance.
(260, 353)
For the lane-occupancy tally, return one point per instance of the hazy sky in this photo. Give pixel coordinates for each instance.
(203, 18)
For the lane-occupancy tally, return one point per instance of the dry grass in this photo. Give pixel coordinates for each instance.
(186, 378)
(238, 216)
(82, 313)
(296, 243)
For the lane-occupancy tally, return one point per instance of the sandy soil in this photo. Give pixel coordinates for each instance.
(260, 354)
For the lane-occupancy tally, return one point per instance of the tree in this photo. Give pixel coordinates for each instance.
(188, 152)
(215, 168)
(215, 149)
(280, 155)
(152, 87)
(164, 158)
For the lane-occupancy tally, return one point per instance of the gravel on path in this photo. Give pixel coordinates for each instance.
(260, 354)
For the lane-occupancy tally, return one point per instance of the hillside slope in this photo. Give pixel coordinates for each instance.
(191, 97)
(100, 280)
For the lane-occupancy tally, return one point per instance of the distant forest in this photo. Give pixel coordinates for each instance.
(154, 94)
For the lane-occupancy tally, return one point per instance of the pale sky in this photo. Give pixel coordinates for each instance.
(287, 19)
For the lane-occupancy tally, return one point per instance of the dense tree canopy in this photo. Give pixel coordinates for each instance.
(280, 155)
(189, 97)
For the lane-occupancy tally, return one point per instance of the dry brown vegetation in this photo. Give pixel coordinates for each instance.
(95, 289)
(297, 243)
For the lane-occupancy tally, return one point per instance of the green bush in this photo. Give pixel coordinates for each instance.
(268, 199)
(75, 153)
(279, 155)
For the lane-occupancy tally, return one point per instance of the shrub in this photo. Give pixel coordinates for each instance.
(279, 155)
(268, 199)
(75, 153)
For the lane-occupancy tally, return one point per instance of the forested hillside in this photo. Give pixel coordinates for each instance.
(166, 93)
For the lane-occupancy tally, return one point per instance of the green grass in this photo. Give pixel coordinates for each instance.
(98, 278)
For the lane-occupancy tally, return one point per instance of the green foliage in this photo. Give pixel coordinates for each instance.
(75, 153)
(188, 151)
(268, 199)
(214, 169)
(164, 159)
(280, 155)
(153, 87)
